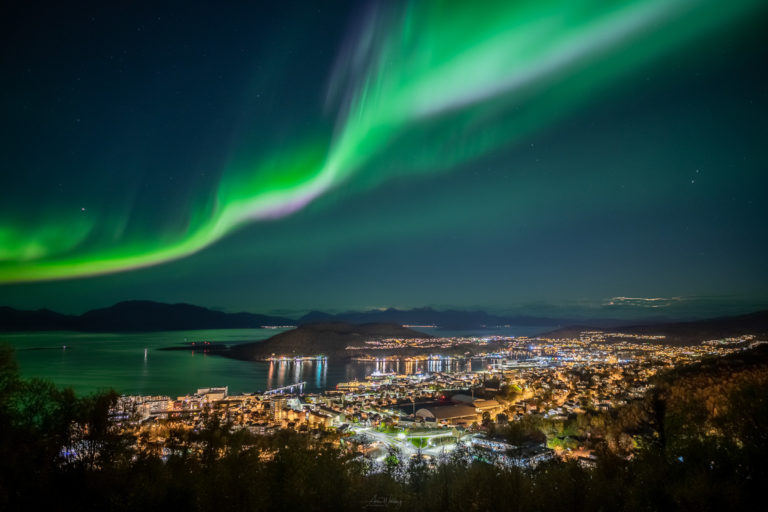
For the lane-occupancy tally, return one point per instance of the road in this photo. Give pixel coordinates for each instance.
(402, 442)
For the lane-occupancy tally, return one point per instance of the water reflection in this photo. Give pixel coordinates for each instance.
(132, 363)
(321, 374)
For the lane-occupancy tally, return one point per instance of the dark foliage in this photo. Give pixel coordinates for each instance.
(60, 452)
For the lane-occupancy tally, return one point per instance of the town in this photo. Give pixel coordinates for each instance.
(530, 402)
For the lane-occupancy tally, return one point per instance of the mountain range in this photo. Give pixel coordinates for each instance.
(134, 316)
(143, 315)
(447, 319)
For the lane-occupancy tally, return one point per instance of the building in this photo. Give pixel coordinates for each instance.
(457, 414)
(481, 405)
(213, 394)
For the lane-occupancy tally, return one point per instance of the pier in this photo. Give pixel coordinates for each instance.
(289, 388)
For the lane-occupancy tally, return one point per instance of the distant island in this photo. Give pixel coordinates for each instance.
(329, 339)
(334, 339)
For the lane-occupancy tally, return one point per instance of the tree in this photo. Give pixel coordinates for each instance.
(100, 442)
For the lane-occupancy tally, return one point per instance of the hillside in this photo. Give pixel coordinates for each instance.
(686, 333)
(329, 339)
(719, 403)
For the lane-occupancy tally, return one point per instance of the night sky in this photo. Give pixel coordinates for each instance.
(552, 157)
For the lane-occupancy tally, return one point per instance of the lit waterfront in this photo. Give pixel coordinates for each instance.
(119, 361)
(97, 361)
(428, 406)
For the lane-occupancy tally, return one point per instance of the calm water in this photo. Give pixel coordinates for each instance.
(98, 361)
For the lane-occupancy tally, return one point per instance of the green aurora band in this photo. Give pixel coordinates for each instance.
(436, 85)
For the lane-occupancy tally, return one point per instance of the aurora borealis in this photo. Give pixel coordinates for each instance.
(394, 154)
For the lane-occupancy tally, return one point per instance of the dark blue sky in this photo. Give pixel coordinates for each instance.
(124, 126)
